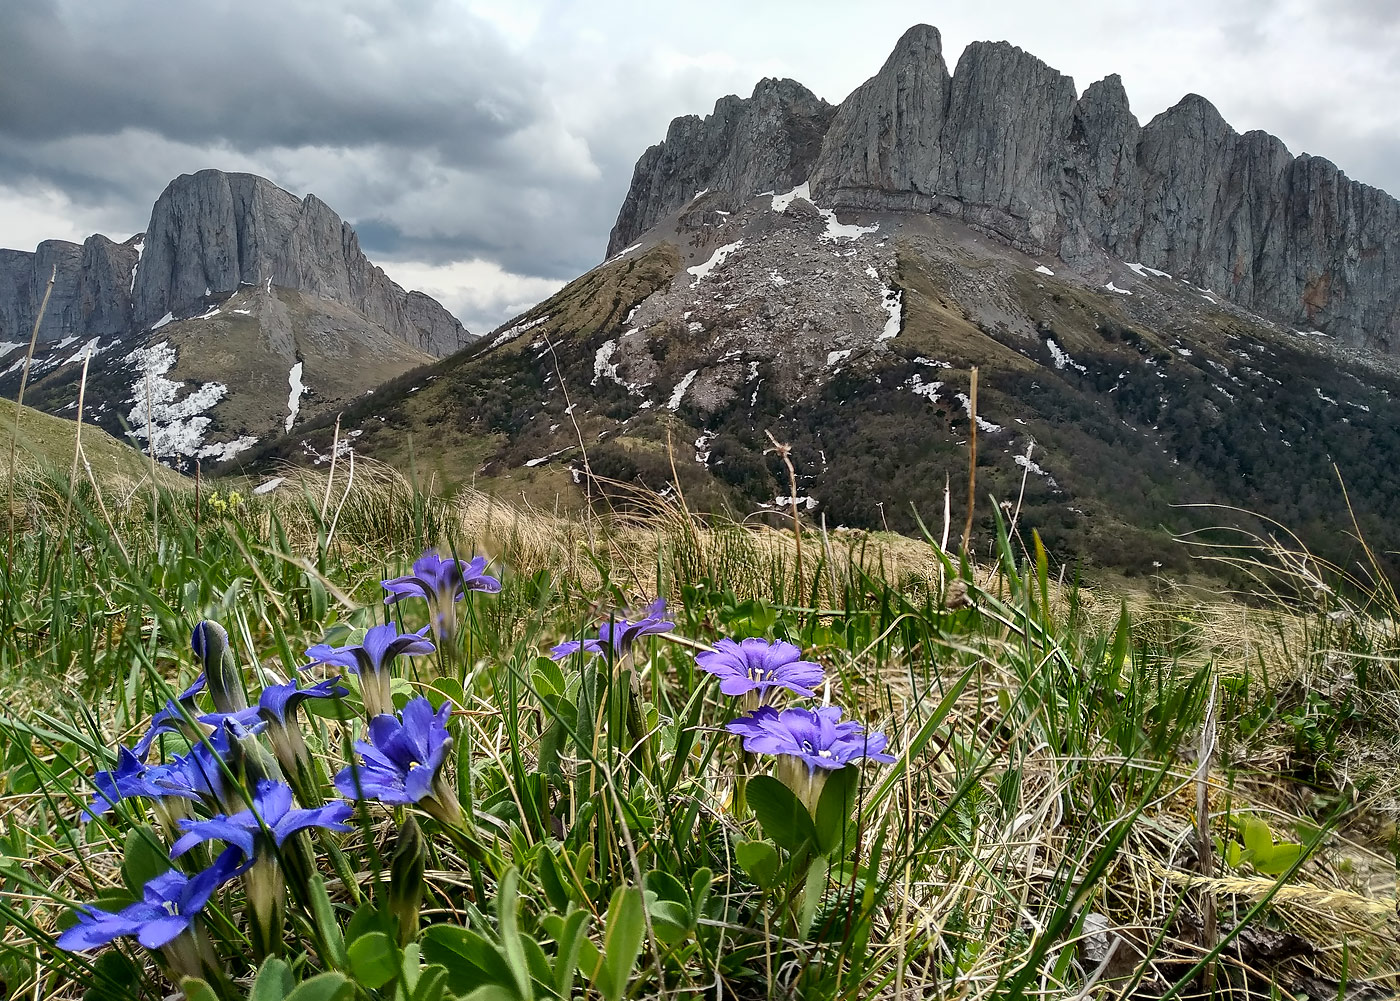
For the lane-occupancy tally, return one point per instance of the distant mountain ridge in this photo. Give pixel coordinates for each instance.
(240, 312)
(1005, 145)
(212, 232)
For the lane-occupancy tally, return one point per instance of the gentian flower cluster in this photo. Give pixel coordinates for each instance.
(615, 637)
(245, 777)
(441, 582)
(809, 744)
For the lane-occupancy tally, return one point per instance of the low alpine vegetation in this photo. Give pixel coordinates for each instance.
(300, 767)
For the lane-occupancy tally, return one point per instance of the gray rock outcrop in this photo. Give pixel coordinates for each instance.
(767, 142)
(91, 292)
(1006, 145)
(212, 231)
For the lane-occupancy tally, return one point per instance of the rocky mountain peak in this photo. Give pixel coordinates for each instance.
(1006, 145)
(885, 138)
(765, 142)
(213, 232)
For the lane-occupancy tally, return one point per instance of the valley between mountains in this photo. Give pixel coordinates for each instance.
(1171, 323)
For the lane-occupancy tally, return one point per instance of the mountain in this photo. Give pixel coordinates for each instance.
(240, 289)
(1004, 145)
(837, 293)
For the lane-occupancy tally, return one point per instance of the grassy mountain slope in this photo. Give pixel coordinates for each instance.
(46, 443)
(1109, 401)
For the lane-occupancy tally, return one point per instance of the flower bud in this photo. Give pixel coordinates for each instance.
(210, 645)
(406, 868)
(267, 904)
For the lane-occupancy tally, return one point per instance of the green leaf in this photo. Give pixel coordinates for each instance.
(324, 913)
(470, 960)
(780, 813)
(666, 886)
(1256, 835)
(569, 933)
(114, 976)
(144, 858)
(669, 920)
(551, 878)
(1279, 858)
(490, 992)
(700, 883)
(274, 981)
(446, 690)
(507, 912)
(374, 960)
(1234, 854)
(324, 987)
(622, 943)
(432, 984)
(759, 860)
(834, 808)
(812, 890)
(196, 989)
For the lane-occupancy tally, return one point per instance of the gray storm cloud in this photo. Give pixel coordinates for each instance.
(502, 134)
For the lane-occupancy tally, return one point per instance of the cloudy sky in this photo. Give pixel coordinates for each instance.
(483, 147)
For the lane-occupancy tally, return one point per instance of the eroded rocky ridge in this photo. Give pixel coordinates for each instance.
(767, 142)
(91, 291)
(1006, 144)
(210, 234)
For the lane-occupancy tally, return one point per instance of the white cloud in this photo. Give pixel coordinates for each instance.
(32, 216)
(478, 292)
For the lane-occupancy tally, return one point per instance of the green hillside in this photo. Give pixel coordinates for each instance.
(45, 443)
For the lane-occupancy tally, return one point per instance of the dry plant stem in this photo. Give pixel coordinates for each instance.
(971, 459)
(349, 482)
(19, 403)
(330, 477)
(77, 437)
(680, 495)
(1205, 851)
(784, 452)
(578, 432)
(151, 447)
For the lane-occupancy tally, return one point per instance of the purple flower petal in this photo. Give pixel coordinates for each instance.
(818, 737)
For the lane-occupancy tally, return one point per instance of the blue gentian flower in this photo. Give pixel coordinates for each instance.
(616, 637)
(817, 737)
(271, 811)
(371, 660)
(441, 583)
(128, 779)
(402, 762)
(171, 719)
(197, 775)
(278, 703)
(755, 665)
(170, 903)
(809, 743)
(278, 707)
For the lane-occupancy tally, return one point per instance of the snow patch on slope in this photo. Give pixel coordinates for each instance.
(172, 424)
(294, 398)
(1062, 358)
(678, 393)
(893, 304)
(700, 271)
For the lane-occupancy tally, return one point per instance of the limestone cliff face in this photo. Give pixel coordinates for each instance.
(91, 291)
(1005, 144)
(883, 149)
(213, 231)
(767, 142)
